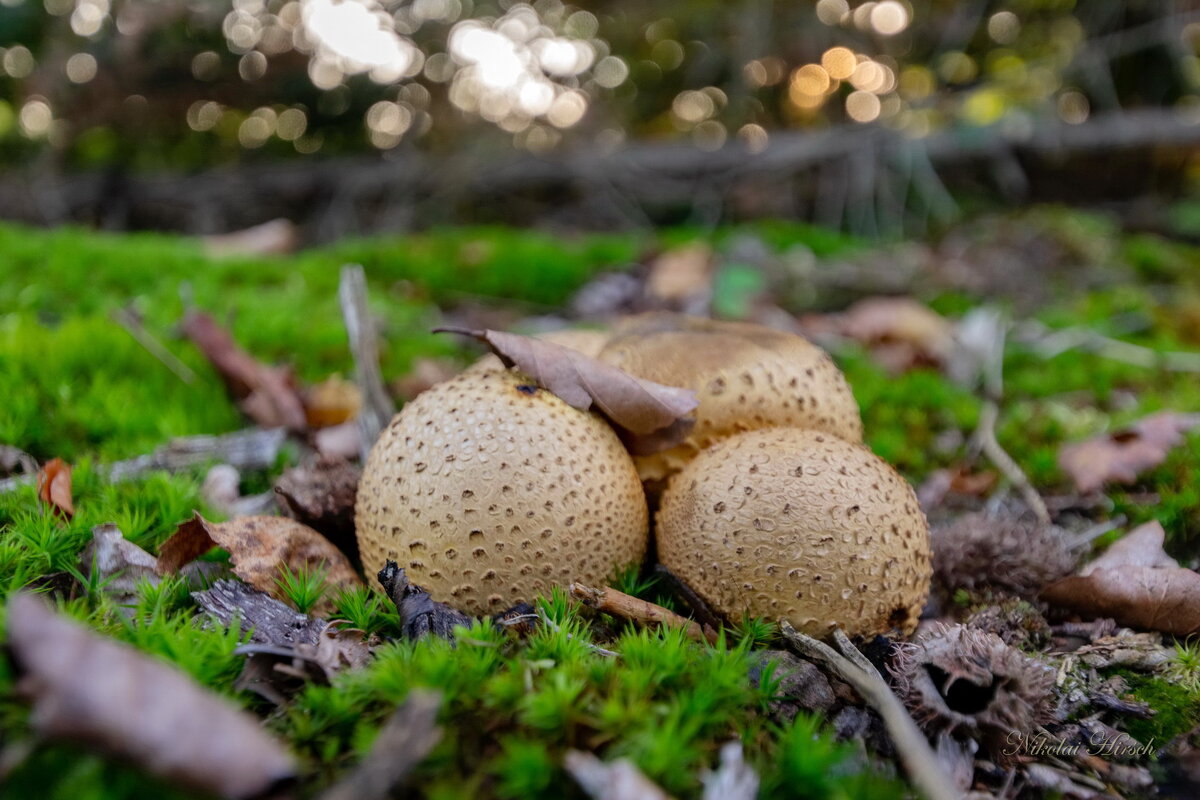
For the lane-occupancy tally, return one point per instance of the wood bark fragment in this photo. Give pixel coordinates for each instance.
(918, 758)
(269, 620)
(253, 448)
(377, 407)
(403, 743)
(619, 604)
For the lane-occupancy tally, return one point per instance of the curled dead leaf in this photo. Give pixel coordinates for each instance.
(265, 394)
(106, 695)
(1120, 456)
(640, 407)
(54, 487)
(900, 332)
(1137, 584)
(259, 547)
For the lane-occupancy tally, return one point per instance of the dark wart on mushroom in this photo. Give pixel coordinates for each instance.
(747, 377)
(489, 491)
(800, 525)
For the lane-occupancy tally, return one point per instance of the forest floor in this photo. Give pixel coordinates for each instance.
(1102, 328)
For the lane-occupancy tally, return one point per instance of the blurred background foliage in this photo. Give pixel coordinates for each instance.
(892, 97)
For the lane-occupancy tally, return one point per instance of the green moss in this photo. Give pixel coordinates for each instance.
(77, 385)
(1176, 708)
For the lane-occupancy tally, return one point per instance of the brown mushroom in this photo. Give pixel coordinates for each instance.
(489, 490)
(747, 377)
(800, 525)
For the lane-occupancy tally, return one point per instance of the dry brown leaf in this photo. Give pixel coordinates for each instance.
(1141, 547)
(1121, 455)
(638, 406)
(54, 487)
(1135, 583)
(119, 563)
(900, 332)
(259, 547)
(332, 402)
(265, 394)
(107, 696)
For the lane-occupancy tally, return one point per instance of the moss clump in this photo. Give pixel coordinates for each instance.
(1176, 708)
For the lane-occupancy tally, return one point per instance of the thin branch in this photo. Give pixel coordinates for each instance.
(1049, 343)
(403, 743)
(554, 626)
(985, 436)
(377, 409)
(127, 320)
(619, 604)
(853, 667)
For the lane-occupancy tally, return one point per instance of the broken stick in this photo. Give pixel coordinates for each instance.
(619, 604)
(377, 407)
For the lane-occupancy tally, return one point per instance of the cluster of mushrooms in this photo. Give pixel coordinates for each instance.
(489, 491)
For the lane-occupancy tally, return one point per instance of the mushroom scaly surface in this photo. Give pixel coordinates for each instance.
(799, 525)
(489, 490)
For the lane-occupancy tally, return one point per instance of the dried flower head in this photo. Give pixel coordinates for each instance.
(1015, 555)
(968, 683)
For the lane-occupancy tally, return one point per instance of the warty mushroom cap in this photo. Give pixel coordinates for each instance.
(800, 525)
(489, 490)
(746, 376)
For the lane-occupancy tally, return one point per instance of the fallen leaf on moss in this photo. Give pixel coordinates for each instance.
(264, 393)
(118, 563)
(107, 696)
(1122, 455)
(259, 548)
(900, 332)
(54, 487)
(635, 405)
(1135, 583)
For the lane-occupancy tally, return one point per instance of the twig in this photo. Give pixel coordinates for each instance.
(984, 339)
(1049, 343)
(402, 744)
(985, 435)
(554, 626)
(619, 604)
(127, 320)
(853, 667)
(253, 448)
(377, 409)
(617, 780)
(734, 779)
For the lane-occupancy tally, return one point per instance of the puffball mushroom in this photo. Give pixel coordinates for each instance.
(489, 490)
(800, 525)
(746, 376)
